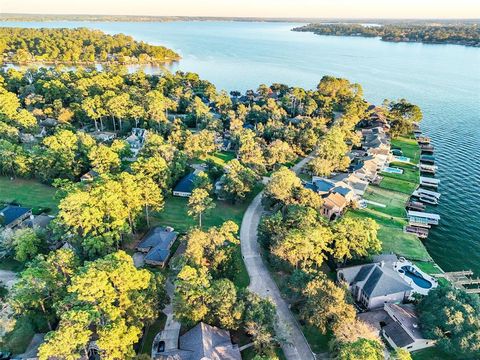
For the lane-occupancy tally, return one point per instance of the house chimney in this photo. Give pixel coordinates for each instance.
(382, 263)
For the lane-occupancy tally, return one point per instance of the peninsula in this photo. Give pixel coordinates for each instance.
(77, 46)
(458, 34)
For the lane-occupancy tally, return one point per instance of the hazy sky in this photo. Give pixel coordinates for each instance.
(255, 8)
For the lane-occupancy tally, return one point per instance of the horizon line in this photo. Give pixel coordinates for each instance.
(239, 17)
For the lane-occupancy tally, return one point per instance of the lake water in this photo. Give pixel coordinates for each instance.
(444, 80)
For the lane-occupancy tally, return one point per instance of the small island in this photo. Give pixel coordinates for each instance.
(77, 46)
(458, 34)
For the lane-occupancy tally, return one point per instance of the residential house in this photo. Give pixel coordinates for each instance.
(12, 216)
(136, 140)
(373, 285)
(203, 342)
(186, 185)
(333, 206)
(89, 176)
(404, 330)
(103, 136)
(156, 244)
(357, 185)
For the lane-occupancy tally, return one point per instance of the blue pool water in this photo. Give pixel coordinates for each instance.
(417, 278)
(393, 170)
(402, 158)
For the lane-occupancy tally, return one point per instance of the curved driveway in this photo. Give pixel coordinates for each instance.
(296, 346)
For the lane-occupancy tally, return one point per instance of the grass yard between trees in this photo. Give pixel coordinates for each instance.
(28, 193)
(175, 214)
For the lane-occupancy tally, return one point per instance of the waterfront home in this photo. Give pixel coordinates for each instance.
(202, 342)
(333, 206)
(373, 285)
(156, 245)
(186, 185)
(403, 329)
(357, 185)
(13, 216)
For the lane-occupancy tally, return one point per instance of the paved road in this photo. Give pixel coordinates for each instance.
(296, 346)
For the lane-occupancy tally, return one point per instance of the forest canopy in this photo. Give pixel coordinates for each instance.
(75, 46)
(468, 35)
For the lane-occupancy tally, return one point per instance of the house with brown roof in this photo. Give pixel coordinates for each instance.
(333, 206)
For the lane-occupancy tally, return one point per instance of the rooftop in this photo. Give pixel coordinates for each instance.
(11, 213)
(186, 184)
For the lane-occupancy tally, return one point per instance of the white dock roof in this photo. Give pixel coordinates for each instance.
(423, 215)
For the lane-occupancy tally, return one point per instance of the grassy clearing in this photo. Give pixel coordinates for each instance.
(27, 193)
(409, 147)
(395, 202)
(151, 332)
(221, 158)
(392, 236)
(391, 183)
(432, 353)
(175, 215)
(318, 341)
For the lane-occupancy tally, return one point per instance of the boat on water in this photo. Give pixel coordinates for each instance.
(416, 205)
(428, 200)
(420, 232)
(429, 159)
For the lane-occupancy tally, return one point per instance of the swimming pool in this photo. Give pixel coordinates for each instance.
(393, 170)
(402, 159)
(417, 278)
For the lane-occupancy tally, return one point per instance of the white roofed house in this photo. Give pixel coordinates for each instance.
(136, 140)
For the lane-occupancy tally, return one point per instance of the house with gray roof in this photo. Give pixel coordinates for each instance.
(373, 285)
(203, 342)
(156, 245)
(403, 328)
(12, 216)
(186, 185)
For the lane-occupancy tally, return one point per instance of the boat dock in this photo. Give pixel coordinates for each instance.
(427, 148)
(428, 169)
(423, 140)
(430, 182)
(424, 192)
(462, 280)
(429, 159)
(420, 232)
(422, 219)
(415, 205)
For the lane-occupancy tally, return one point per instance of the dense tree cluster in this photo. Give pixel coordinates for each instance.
(204, 289)
(107, 300)
(455, 322)
(432, 34)
(74, 46)
(299, 235)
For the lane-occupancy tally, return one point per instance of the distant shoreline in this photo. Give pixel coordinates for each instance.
(12, 17)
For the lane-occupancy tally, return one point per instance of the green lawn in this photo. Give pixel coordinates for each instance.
(409, 147)
(318, 342)
(151, 332)
(432, 354)
(395, 184)
(175, 215)
(392, 236)
(222, 157)
(395, 202)
(28, 193)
